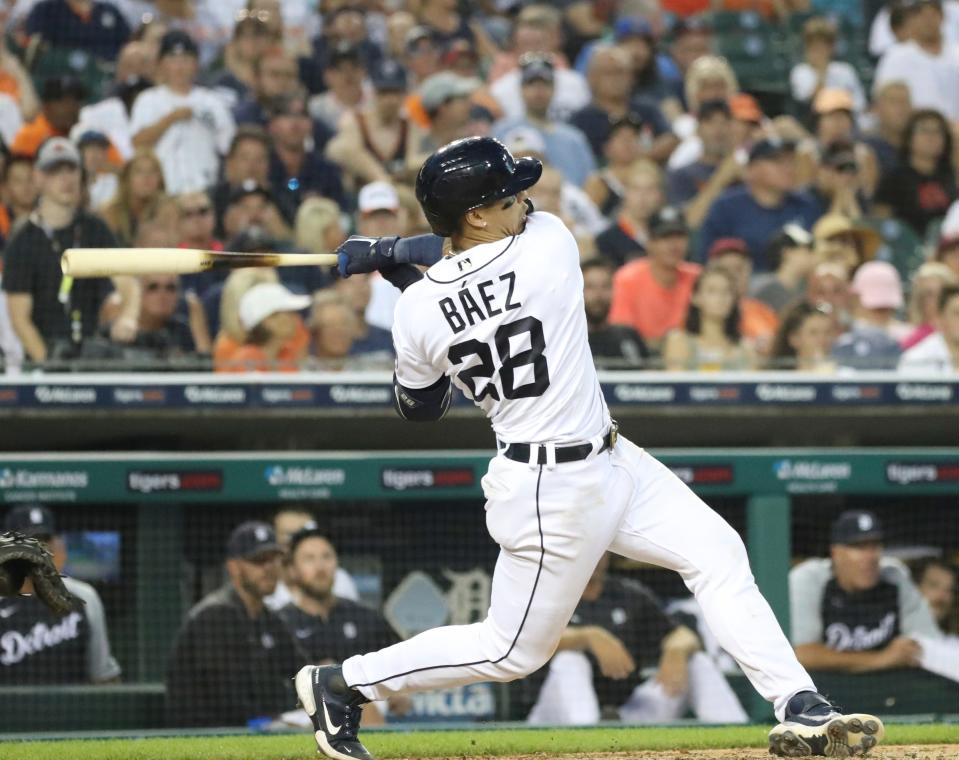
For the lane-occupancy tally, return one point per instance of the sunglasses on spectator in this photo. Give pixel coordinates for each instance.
(168, 287)
(847, 168)
(189, 213)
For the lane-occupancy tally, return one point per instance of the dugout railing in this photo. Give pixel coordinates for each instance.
(156, 495)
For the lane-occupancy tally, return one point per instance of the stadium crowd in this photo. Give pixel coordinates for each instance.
(752, 184)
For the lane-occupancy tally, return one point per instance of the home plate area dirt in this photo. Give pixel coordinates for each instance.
(892, 752)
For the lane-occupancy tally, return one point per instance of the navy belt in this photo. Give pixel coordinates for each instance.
(519, 452)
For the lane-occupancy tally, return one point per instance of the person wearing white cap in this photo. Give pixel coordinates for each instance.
(873, 341)
(380, 215)
(269, 313)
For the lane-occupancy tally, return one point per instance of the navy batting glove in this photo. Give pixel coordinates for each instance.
(360, 255)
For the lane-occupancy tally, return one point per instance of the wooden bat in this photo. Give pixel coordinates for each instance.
(107, 262)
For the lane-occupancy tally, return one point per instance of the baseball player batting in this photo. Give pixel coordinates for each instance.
(502, 318)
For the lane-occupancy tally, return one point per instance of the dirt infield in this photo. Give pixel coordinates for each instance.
(901, 752)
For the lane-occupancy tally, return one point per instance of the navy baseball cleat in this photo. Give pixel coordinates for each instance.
(335, 710)
(815, 727)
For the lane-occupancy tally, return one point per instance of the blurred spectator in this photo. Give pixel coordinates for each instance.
(421, 53)
(568, 201)
(819, 71)
(188, 126)
(398, 26)
(252, 205)
(692, 39)
(330, 628)
(622, 151)
(939, 352)
(610, 80)
(617, 635)
(357, 290)
(923, 186)
(937, 582)
(804, 339)
(371, 141)
(565, 146)
(194, 229)
(334, 325)
(892, 109)
(651, 294)
(92, 26)
(927, 284)
(39, 646)
(925, 61)
(16, 84)
(697, 184)
(837, 182)
(140, 197)
(840, 240)
(711, 339)
(789, 258)
(344, 24)
(379, 214)
(286, 522)
(344, 77)
(888, 27)
(758, 322)
(612, 346)
(765, 202)
(50, 314)
(445, 98)
(709, 78)
(232, 658)
(136, 68)
(295, 172)
(445, 21)
(856, 611)
(873, 340)
(318, 229)
(829, 286)
(101, 180)
(163, 335)
(642, 195)
(269, 316)
(248, 159)
(19, 193)
(237, 77)
(60, 101)
(947, 252)
(635, 35)
(274, 76)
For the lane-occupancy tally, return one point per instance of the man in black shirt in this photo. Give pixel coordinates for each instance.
(233, 659)
(52, 314)
(329, 628)
(612, 346)
(623, 655)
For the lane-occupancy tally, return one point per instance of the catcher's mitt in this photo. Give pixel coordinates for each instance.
(22, 557)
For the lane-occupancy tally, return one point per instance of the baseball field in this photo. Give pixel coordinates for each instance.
(904, 742)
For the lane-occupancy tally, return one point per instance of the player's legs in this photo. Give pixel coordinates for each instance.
(567, 696)
(668, 525)
(553, 525)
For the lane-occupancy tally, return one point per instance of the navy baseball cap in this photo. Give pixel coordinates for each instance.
(178, 42)
(770, 147)
(344, 52)
(93, 137)
(856, 526)
(251, 539)
(248, 187)
(31, 520)
(61, 87)
(536, 68)
(709, 107)
(669, 220)
(632, 26)
(388, 76)
(311, 529)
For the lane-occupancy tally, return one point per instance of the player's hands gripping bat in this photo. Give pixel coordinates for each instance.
(22, 557)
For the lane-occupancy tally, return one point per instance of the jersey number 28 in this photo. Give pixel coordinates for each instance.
(486, 369)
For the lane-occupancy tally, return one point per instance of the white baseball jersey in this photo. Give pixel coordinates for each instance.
(506, 322)
(190, 149)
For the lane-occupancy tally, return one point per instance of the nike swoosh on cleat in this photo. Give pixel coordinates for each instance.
(331, 729)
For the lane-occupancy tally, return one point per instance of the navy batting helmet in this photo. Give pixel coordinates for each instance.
(467, 174)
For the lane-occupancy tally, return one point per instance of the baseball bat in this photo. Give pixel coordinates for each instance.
(107, 262)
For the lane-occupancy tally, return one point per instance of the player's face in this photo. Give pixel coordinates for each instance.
(314, 567)
(938, 585)
(505, 217)
(857, 565)
(259, 574)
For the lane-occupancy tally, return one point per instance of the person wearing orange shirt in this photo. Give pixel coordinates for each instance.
(61, 98)
(652, 294)
(758, 322)
(276, 339)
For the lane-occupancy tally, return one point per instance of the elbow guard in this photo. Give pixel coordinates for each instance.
(423, 404)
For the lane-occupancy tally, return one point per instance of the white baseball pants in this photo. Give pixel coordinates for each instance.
(553, 525)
